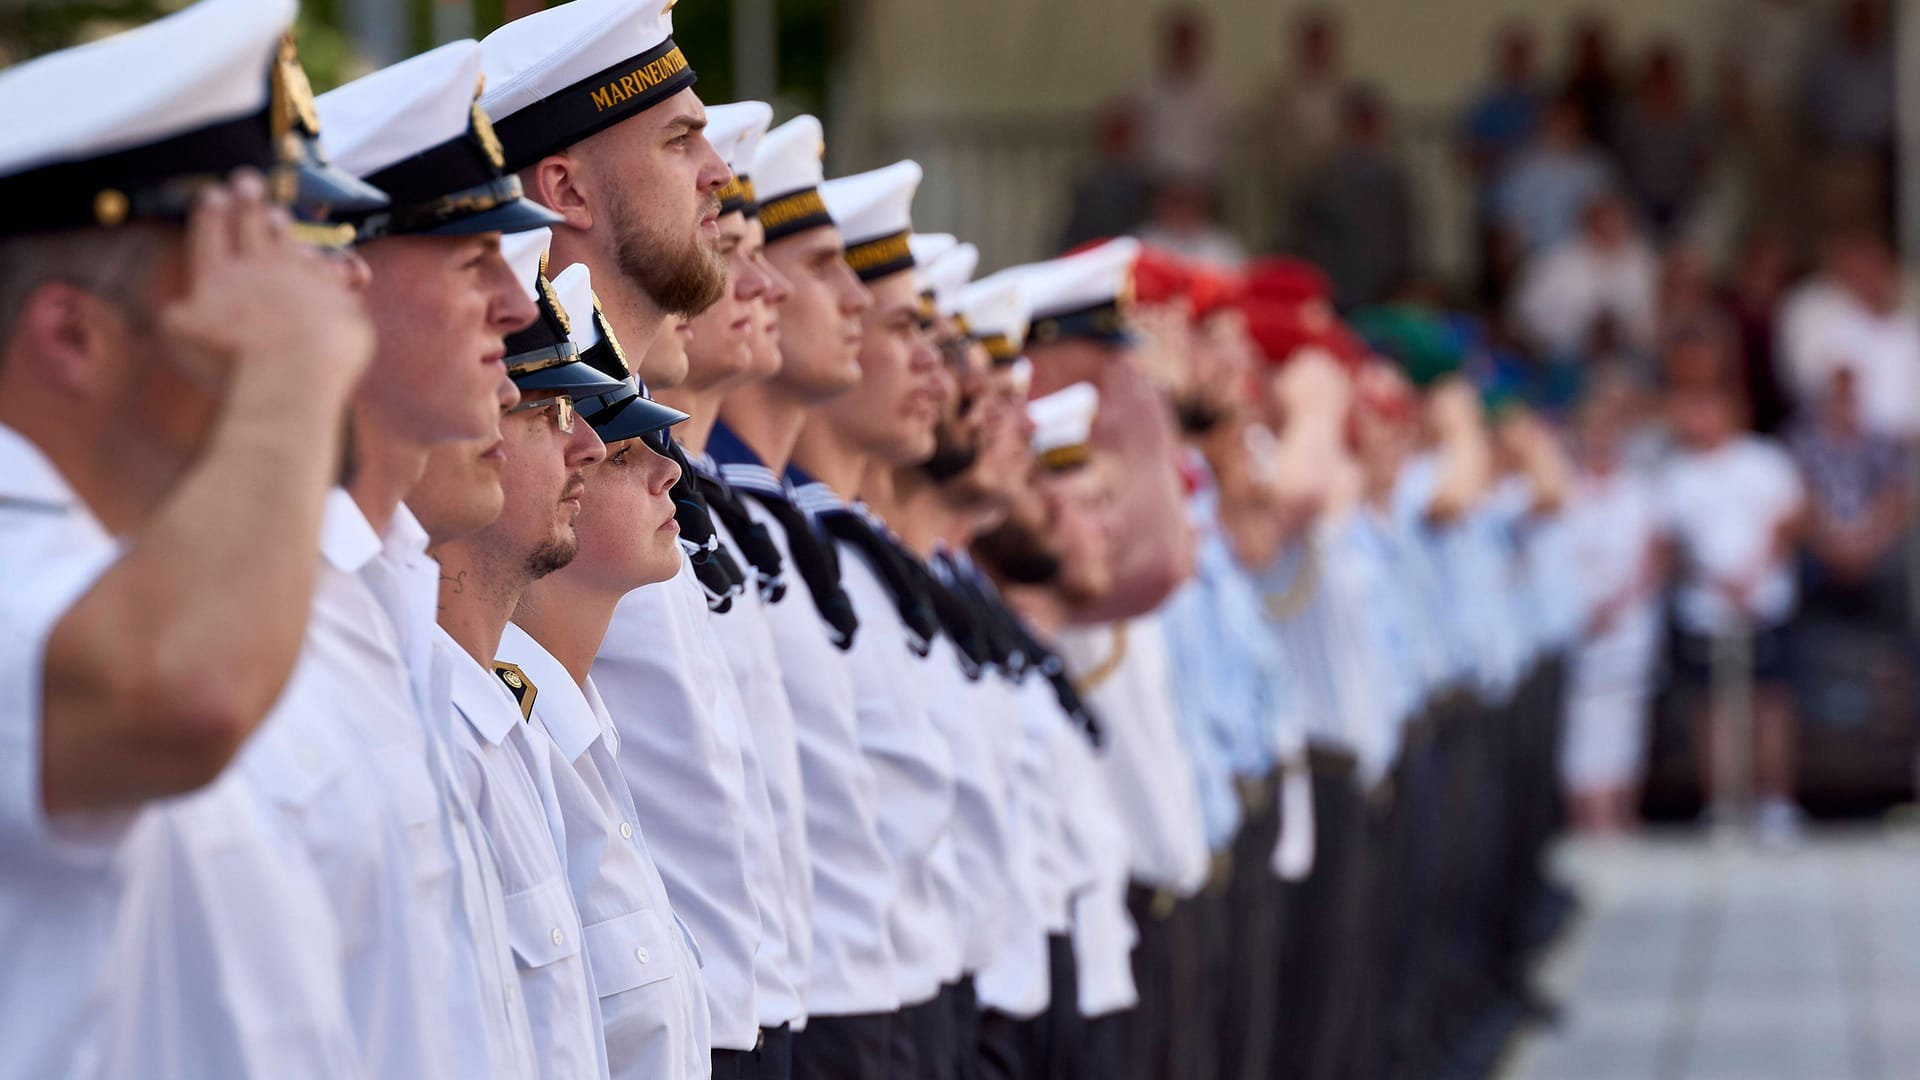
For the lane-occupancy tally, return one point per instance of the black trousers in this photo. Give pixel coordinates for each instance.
(771, 1059)
(845, 1048)
(1256, 901)
(1173, 1032)
(925, 1041)
(965, 1003)
(1316, 983)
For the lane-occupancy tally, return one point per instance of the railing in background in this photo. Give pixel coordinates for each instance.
(1003, 181)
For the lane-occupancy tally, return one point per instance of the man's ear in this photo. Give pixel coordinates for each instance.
(65, 340)
(560, 183)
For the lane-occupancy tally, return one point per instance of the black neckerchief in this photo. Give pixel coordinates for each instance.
(817, 562)
(768, 570)
(959, 619)
(895, 571)
(713, 565)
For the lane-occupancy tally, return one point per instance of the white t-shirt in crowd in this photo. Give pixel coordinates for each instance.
(1823, 328)
(1721, 508)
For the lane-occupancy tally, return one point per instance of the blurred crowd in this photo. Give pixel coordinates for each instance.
(1650, 230)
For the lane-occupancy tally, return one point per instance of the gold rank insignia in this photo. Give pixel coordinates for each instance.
(606, 335)
(291, 105)
(518, 685)
(483, 129)
(553, 300)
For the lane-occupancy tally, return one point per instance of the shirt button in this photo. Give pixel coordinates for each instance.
(642, 955)
(558, 937)
(626, 830)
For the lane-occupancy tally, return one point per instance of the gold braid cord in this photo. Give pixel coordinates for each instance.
(1104, 670)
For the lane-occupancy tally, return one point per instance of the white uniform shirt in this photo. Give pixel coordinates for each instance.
(852, 969)
(913, 774)
(345, 758)
(1144, 764)
(674, 703)
(771, 747)
(1103, 931)
(1044, 868)
(118, 925)
(981, 723)
(489, 747)
(652, 1000)
(482, 985)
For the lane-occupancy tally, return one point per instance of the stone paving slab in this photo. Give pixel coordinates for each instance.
(1705, 958)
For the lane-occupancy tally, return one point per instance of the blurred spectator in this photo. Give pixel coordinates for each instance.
(1112, 199)
(1182, 114)
(1182, 222)
(1763, 54)
(1495, 126)
(1850, 84)
(1858, 507)
(1610, 685)
(1302, 109)
(1760, 278)
(1604, 271)
(1662, 143)
(1547, 185)
(1849, 114)
(1353, 215)
(1852, 314)
(1730, 505)
(1591, 81)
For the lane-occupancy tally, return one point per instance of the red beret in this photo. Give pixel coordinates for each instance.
(1287, 279)
(1283, 328)
(1160, 277)
(1214, 290)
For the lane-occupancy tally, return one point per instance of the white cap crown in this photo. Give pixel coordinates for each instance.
(874, 210)
(1063, 425)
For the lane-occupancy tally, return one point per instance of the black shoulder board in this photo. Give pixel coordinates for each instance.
(522, 687)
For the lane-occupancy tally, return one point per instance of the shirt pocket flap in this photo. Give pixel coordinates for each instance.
(629, 951)
(541, 926)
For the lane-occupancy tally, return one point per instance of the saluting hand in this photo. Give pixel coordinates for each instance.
(260, 299)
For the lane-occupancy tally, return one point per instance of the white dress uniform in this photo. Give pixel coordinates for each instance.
(489, 743)
(851, 970)
(912, 769)
(344, 757)
(652, 1000)
(672, 697)
(1044, 866)
(128, 922)
(980, 720)
(771, 750)
(1144, 764)
(406, 582)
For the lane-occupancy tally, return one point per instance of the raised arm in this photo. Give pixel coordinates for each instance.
(160, 671)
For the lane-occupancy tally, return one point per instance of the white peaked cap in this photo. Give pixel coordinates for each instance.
(949, 275)
(1063, 424)
(396, 112)
(573, 289)
(1099, 279)
(996, 313)
(874, 211)
(788, 159)
(559, 75)
(735, 130)
(927, 247)
(874, 204)
(176, 74)
(522, 252)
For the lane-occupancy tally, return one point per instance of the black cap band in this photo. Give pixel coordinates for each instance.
(1100, 322)
(596, 102)
(883, 255)
(794, 212)
(157, 181)
(737, 197)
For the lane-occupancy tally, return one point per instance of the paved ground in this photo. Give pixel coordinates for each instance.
(1718, 961)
